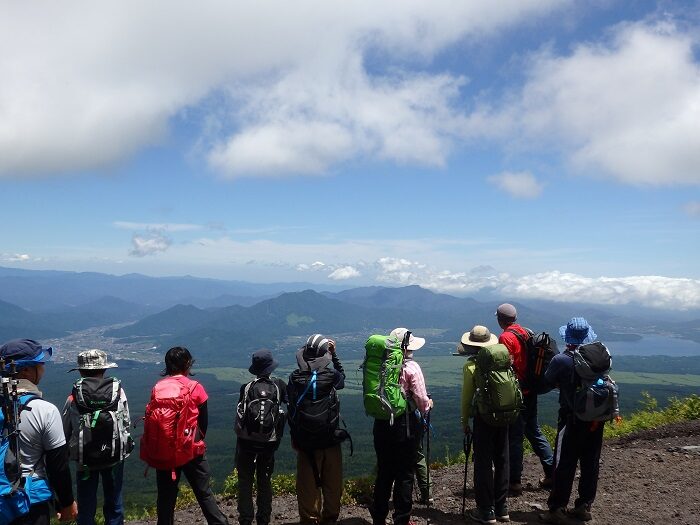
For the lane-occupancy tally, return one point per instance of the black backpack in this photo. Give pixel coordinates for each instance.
(540, 349)
(596, 395)
(314, 409)
(259, 414)
(103, 434)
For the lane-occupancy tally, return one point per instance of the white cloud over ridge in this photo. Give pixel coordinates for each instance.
(648, 290)
(344, 273)
(629, 107)
(298, 93)
(520, 185)
(149, 244)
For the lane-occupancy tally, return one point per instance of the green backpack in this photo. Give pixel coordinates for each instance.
(498, 399)
(381, 370)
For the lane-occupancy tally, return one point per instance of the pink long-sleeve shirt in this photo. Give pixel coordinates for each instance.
(413, 385)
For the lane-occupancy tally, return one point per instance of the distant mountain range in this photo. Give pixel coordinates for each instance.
(229, 318)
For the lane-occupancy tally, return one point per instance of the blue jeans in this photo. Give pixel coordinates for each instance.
(526, 425)
(112, 509)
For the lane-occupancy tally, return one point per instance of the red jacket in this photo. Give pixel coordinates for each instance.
(517, 351)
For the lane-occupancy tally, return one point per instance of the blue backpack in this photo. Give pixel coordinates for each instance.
(17, 492)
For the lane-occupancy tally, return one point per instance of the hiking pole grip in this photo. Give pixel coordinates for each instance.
(427, 461)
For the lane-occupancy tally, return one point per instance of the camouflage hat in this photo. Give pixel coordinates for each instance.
(93, 360)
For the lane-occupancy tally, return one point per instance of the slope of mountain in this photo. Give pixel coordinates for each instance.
(15, 322)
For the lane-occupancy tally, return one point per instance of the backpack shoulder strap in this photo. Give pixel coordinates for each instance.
(517, 334)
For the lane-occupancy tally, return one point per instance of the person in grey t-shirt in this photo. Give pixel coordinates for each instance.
(43, 448)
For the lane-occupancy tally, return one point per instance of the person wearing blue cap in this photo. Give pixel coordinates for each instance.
(577, 441)
(260, 422)
(43, 451)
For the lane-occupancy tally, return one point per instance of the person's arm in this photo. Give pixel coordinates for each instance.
(125, 409)
(551, 375)
(58, 472)
(283, 391)
(66, 418)
(467, 395)
(516, 351)
(339, 371)
(203, 419)
(416, 387)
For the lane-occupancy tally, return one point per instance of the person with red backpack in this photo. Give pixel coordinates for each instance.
(173, 438)
(514, 337)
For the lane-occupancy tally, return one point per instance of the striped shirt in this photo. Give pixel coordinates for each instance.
(413, 385)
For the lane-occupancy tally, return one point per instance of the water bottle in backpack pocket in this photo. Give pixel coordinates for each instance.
(596, 394)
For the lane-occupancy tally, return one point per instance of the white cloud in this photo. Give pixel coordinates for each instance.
(87, 85)
(149, 244)
(520, 185)
(629, 107)
(16, 257)
(692, 208)
(164, 227)
(649, 290)
(344, 273)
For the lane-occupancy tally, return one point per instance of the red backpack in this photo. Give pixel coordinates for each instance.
(170, 425)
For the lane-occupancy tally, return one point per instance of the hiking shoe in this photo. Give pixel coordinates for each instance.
(516, 489)
(556, 516)
(502, 513)
(581, 513)
(545, 482)
(485, 515)
(425, 500)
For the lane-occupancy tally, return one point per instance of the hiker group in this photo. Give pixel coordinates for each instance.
(502, 377)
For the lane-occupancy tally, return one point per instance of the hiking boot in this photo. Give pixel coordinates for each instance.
(516, 489)
(483, 515)
(556, 516)
(581, 513)
(425, 500)
(546, 482)
(502, 513)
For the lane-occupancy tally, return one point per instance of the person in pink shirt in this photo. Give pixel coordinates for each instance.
(396, 444)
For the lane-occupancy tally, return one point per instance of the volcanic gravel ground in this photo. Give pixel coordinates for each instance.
(645, 478)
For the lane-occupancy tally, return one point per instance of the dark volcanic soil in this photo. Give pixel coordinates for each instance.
(645, 478)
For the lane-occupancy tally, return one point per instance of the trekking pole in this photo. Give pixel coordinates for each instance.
(427, 463)
(467, 447)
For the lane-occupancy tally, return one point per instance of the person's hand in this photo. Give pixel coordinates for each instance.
(467, 430)
(430, 404)
(69, 513)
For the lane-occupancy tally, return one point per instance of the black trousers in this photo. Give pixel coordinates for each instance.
(396, 452)
(39, 514)
(199, 477)
(258, 465)
(490, 464)
(578, 442)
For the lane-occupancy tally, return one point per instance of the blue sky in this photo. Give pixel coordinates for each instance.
(547, 149)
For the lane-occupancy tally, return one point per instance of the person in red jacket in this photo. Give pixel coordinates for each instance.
(527, 424)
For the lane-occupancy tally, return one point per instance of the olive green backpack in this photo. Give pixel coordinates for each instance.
(381, 371)
(498, 398)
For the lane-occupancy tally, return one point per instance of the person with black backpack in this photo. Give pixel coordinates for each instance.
(314, 418)
(519, 341)
(34, 458)
(587, 398)
(260, 421)
(96, 424)
(490, 393)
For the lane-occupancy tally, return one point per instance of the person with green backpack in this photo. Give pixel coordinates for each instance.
(393, 389)
(492, 396)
